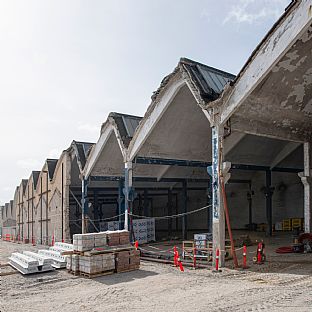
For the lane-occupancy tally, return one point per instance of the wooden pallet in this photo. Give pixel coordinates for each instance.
(93, 275)
(75, 273)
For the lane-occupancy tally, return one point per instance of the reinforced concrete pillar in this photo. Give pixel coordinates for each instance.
(128, 189)
(218, 224)
(306, 178)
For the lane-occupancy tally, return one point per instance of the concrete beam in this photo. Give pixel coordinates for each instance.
(163, 172)
(231, 141)
(256, 127)
(289, 30)
(287, 150)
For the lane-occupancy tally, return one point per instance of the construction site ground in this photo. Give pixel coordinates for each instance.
(283, 283)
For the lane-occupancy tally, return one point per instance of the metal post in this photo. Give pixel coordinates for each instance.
(128, 186)
(47, 208)
(84, 204)
(62, 204)
(146, 212)
(217, 208)
(28, 227)
(209, 210)
(184, 202)
(96, 208)
(32, 213)
(41, 238)
(249, 198)
(268, 196)
(121, 201)
(170, 205)
(19, 214)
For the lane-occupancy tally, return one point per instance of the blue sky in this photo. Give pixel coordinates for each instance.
(65, 64)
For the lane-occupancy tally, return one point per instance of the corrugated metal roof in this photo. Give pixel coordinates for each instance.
(210, 81)
(126, 125)
(83, 149)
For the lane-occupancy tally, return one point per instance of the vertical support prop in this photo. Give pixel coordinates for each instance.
(47, 208)
(218, 223)
(28, 216)
(121, 201)
(62, 204)
(184, 218)
(268, 195)
(170, 205)
(41, 208)
(84, 204)
(146, 212)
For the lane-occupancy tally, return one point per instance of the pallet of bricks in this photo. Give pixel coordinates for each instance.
(97, 254)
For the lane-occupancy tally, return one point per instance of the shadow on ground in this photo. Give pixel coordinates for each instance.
(124, 277)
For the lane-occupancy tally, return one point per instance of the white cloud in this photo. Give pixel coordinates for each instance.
(251, 11)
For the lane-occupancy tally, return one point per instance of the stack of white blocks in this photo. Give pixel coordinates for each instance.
(24, 263)
(45, 263)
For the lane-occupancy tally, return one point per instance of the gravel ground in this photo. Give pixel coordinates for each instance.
(276, 286)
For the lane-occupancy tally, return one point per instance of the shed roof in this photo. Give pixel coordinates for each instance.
(82, 151)
(208, 81)
(126, 125)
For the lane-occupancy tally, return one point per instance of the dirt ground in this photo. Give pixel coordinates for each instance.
(284, 283)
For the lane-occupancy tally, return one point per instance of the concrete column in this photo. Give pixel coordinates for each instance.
(128, 187)
(306, 178)
(218, 224)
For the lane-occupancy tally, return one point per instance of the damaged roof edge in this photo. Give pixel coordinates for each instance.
(262, 42)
